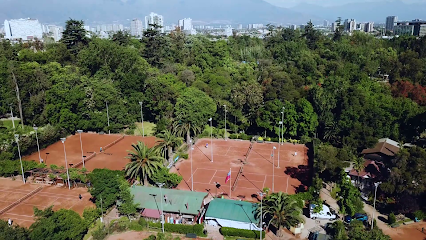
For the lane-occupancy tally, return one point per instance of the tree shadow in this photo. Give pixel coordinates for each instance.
(301, 173)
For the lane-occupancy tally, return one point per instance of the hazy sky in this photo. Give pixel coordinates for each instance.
(291, 3)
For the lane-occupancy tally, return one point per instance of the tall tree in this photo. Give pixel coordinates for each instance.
(145, 161)
(281, 210)
(169, 141)
(74, 35)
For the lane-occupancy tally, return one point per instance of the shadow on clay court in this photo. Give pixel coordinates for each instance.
(203, 153)
(262, 156)
(177, 169)
(301, 173)
(251, 182)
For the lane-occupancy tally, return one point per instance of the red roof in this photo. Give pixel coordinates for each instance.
(151, 213)
(363, 173)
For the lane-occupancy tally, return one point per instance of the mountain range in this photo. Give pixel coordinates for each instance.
(204, 11)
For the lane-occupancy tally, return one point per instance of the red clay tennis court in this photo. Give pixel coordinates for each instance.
(33, 195)
(114, 157)
(114, 150)
(257, 172)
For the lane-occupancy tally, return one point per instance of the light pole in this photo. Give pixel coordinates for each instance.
(20, 158)
(11, 113)
(211, 136)
(282, 126)
(261, 194)
(279, 144)
(374, 203)
(106, 102)
(161, 202)
(273, 168)
(81, 145)
(225, 120)
(143, 129)
(66, 163)
(192, 176)
(38, 146)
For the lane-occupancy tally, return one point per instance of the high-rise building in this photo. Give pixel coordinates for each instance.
(152, 19)
(391, 22)
(351, 25)
(333, 26)
(25, 29)
(368, 27)
(326, 23)
(415, 28)
(55, 31)
(136, 28)
(185, 24)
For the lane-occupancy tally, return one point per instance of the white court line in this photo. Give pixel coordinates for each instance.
(19, 215)
(192, 175)
(213, 176)
(227, 151)
(264, 182)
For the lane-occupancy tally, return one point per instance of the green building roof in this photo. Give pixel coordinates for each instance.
(232, 210)
(177, 201)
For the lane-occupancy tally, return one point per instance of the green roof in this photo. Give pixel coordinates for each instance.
(177, 201)
(232, 210)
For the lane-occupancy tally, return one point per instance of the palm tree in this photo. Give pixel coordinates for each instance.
(170, 141)
(145, 161)
(185, 128)
(358, 166)
(281, 210)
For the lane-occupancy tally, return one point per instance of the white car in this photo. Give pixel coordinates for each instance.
(325, 213)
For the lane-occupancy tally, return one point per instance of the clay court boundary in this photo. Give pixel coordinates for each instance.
(85, 160)
(32, 193)
(236, 178)
(113, 143)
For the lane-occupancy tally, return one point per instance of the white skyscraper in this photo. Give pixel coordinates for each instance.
(368, 27)
(56, 32)
(185, 26)
(136, 28)
(25, 29)
(154, 18)
(326, 23)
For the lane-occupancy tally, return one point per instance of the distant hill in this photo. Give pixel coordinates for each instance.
(209, 11)
(366, 11)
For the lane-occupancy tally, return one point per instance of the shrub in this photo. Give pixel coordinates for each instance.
(391, 218)
(100, 233)
(235, 232)
(90, 215)
(180, 228)
(419, 214)
(135, 226)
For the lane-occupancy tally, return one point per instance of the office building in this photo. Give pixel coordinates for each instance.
(185, 24)
(351, 25)
(136, 28)
(293, 27)
(25, 29)
(55, 32)
(414, 28)
(391, 22)
(360, 27)
(368, 27)
(333, 26)
(154, 18)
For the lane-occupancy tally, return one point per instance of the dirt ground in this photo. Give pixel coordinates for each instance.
(258, 171)
(114, 158)
(23, 213)
(132, 235)
(407, 232)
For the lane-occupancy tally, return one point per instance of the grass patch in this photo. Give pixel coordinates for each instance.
(9, 124)
(149, 128)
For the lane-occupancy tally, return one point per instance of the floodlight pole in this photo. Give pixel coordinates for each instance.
(282, 127)
(11, 113)
(192, 175)
(279, 143)
(261, 194)
(38, 146)
(66, 163)
(225, 122)
(273, 167)
(20, 158)
(162, 211)
(81, 145)
(143, 129)
(211, 136)
(375, 192)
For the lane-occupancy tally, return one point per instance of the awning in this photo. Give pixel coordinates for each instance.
(151, 213)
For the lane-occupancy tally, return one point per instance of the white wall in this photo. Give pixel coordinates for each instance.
(230, 223)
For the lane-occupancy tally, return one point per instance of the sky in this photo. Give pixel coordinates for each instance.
(325, 3)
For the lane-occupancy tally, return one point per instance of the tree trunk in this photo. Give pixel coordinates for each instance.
(145, 180)
(280, 232)
(18, 98)
(170, 153)
(188, 135)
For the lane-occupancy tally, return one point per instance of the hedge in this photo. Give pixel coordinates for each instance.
(235, 232)
(180, 228)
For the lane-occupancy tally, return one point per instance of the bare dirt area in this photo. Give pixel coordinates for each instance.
(132, 235)
(22, 213)
(290, 161)
(411, 232)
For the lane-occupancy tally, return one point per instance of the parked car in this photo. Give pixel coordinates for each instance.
(326, 213)
(357, 216)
